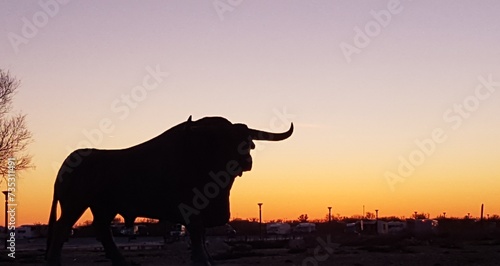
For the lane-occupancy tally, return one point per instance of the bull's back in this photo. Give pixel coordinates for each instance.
(76, 170)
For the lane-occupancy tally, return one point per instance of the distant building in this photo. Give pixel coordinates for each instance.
(222, 230)
(278, 228)
(305, 228)
(425, 226)
(29, 231)
(120, 229)
(370, 227)
(396, 227)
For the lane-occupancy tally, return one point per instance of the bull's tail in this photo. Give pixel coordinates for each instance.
(52, 221)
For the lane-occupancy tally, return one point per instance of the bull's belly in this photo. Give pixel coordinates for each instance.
(210, 216)
(169, 213)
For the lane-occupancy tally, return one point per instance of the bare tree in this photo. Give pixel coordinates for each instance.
(14, 135)
(370, 215)
(303, 218)
(422, 215)
(357, 217)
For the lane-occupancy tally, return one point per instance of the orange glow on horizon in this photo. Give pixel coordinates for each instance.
(298, 198)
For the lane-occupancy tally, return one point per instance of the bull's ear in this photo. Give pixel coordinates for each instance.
(188, 123)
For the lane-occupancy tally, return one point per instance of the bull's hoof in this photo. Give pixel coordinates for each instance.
(202, 263)
(124, 263)
(120, 263)
(52, 262)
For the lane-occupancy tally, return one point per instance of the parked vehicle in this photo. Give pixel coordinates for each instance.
(222, 230)
(177, 231)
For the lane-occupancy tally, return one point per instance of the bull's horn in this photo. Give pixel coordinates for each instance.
(262, 135)
(189, 119)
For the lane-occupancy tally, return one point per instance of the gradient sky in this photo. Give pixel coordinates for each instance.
(266, 64)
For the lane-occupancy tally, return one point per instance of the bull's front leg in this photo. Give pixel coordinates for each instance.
(199, 253)
(204, 242)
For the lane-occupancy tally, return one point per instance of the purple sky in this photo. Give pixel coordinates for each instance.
(355, 115)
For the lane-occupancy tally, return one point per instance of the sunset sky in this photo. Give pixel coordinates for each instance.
(396, 104)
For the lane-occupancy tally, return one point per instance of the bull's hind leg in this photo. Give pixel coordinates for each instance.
(61, 232)
(199, 253)
(102, 221)
(210, 259)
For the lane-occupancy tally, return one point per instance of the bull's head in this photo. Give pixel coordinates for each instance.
(231, 142)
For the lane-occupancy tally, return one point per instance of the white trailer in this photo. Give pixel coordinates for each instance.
(278, 229)
(396, 227)
(305, 228)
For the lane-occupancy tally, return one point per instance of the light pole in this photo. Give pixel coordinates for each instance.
(330, 220)
(376, 214)
(260, 219)
(6, 214)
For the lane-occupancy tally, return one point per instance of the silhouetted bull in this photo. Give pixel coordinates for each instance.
(183, 176)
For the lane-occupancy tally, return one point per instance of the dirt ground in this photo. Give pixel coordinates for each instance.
(321, 252)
